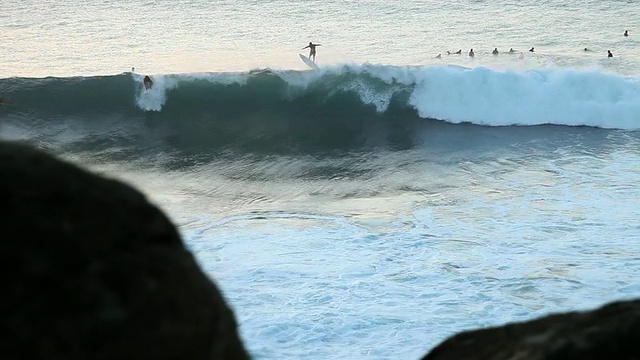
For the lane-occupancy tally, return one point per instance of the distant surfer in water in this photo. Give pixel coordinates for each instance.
(312, 50)
(495, 51)
(438, 56)
(511, 51)
(531, 50)
(609, 54)
(148, 83)
(626, 33)
(471, 53)
(454, 53)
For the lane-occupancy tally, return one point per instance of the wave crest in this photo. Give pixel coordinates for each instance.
(453, 94)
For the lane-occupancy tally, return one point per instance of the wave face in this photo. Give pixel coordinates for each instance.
(343, 108)
(452, 94)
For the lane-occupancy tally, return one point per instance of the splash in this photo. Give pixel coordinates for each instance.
(452, 94)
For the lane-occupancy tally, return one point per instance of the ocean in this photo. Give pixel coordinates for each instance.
(372, 208)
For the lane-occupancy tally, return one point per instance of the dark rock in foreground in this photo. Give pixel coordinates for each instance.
(93, 271)
(610, 332)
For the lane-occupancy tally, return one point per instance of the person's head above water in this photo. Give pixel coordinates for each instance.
(148, 83)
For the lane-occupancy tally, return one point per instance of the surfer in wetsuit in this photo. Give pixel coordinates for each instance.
(626, 33)
(471, 53)
(609, 54)
(312, 50)
(495, 51)
(531, 50)
(148, 83)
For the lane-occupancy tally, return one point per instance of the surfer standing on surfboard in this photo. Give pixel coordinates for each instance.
(312, 50)
(148, 83)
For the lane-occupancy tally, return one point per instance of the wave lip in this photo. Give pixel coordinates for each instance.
(452, 94)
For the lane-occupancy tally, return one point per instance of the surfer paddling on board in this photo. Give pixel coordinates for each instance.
(312, 50)
(148, 83)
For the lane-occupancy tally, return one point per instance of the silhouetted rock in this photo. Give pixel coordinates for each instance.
(610, 332)
(93, 271)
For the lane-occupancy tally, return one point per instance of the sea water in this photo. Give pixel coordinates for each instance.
(372, 208)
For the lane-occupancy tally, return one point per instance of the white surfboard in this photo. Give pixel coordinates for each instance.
(310, 63)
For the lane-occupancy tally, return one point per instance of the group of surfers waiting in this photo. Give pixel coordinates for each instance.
(148, 83)
(472, 53)
(511, 51)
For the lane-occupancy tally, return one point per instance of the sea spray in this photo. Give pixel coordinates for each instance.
(448, 93)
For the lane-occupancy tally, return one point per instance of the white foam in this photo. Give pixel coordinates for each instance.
(153, 99)
(507, 97)
(455, 94)
(549, 96)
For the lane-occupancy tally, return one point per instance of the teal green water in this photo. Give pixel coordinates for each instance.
(373, 208)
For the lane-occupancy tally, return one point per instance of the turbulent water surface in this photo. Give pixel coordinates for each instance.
(374, 207)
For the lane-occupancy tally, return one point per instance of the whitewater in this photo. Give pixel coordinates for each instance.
(480, 95)
(375, 207)
(453, 94)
